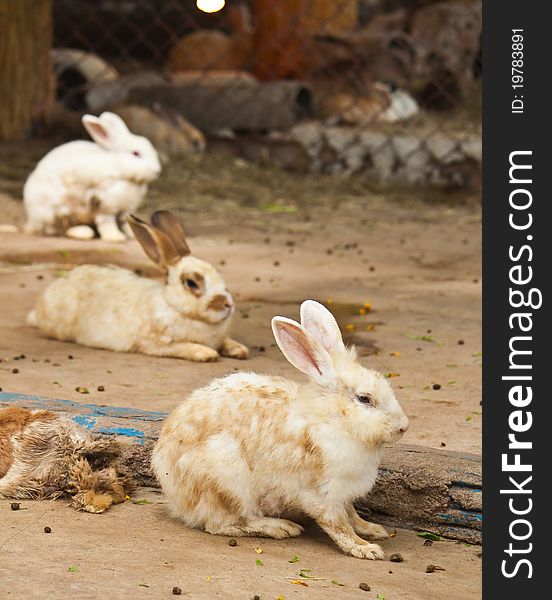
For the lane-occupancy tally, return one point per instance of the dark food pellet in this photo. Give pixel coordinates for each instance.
(460, 342)
(70, 357)
(436, 386)
(15, 505)
(396, 557)
(262, 348)
(233, 543)
(47, 530)
(176, 591)
(364, 586)
(15, 370)
(433, 568)
(256, 597)
(101, 388)
(428, 543)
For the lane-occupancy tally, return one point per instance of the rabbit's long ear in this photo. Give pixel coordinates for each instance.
(154, 242)
(171, 226)
(303, 350)
(99, 132)
(115, 124)
(319, 321)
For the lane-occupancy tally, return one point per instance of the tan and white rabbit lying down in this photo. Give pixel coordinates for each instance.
(187, 316)
(247, 449)
(44, 455)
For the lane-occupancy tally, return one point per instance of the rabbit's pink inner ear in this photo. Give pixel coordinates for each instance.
(319, 321)
(98, 132)
(302, 350)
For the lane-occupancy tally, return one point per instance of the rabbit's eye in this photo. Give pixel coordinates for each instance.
(192, 284)
(365, 399)
(136, 153)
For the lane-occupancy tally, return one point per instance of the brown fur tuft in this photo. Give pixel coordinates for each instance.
(45, 455)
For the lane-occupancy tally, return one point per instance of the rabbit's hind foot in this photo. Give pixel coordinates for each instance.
(268, 527)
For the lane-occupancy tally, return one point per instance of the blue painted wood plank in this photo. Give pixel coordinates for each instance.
(139, 425)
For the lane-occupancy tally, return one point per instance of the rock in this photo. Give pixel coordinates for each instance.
(341, 138)
(443, 148)
(309, 135)
(472, 148)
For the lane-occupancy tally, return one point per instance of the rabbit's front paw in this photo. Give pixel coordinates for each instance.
(233, 349)
(113, 235)
(368, 551)
(373, 531)
(80, 232)
(203, 354)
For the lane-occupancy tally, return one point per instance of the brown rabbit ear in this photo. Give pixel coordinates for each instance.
(154, 242)
(171, 226)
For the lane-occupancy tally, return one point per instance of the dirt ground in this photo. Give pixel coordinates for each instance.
(278, 239)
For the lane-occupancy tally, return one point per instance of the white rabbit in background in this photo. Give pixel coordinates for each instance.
(81, 185)
(246, 450)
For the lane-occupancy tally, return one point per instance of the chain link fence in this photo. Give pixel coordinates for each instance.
(390, 88)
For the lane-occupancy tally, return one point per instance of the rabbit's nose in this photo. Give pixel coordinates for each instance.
(220, 302)
(404, 425)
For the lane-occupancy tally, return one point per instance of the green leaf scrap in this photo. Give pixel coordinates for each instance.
(424, 338)
(279, 208)
(430, 536)
(294, 559)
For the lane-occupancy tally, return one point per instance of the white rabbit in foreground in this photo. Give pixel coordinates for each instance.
(186, 316)
(247, 449)
(83, 184)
